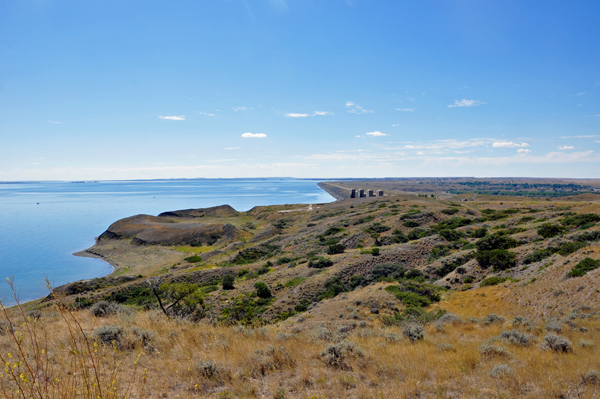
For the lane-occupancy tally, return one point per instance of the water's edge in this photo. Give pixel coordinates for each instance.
(336, 192)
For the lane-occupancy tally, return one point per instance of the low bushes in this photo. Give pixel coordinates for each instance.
(548, 230)
(583, 267)
(498, 259)
(336, 249)
(493, 281)
(320, 263)
(556, 343)
(496, 241)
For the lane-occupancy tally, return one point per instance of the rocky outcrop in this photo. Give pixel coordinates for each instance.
(151, 230)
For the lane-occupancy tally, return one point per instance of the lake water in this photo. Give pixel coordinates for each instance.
(43, 224)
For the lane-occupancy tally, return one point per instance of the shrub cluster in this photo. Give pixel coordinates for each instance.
(320, 263)
(583, 267)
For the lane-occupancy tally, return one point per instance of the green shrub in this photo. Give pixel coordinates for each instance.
(468, 280)
(228, 281)
(478, 233)
(452, 223)
(333, 287)
(399, 237)
(583, 267)
(408, 298)
(395, 271)
(411, 223)
(496, 241)
(493, 281)
(412, 314)
(375, 251)
(365, 219)
(526, 219)
(581, 220)
(498, 259)
(294, 282)
(336, 249)
(284, 260)
(570, 247)
(262, 290)
(253, 254)
(548, 230)
(538, 255)
(449, 267)
(193, 259)
(320, 263)
(450, 211)
(588, 236)
(377, 228)
(417, 233)
(332, 230)
(451, 235)
(438, 251)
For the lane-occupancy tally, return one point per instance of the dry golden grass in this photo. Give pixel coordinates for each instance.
(185, 360)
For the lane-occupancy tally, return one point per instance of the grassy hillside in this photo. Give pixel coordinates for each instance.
(397, 296)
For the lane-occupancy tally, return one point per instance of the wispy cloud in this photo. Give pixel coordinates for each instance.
(509, 144)
(356, 109)
(466, 103)
(565, 147)
(406, 109)
(172, 118)
(205, 114)
(254, 135)
(55, 122)
(244, 108)
(222, 160)
(444, 145)
(299, 115)
(523, 151)
(376, 134)
(580, 137)
(233, 148)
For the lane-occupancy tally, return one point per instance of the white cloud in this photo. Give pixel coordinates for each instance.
(420, 153)
(233, 148)
(443, 145)
(565, 147)
(356, 109)
(254, 135)
(406, 109)
(466, 103)
(322, 113)
(173, 118)
(523, 151)
(222, 160)
(509, 144)
(297, 115)
(376, 134)
(396, 125)
(55, 122)
(580, 137)
(205, 114)
(244, 108)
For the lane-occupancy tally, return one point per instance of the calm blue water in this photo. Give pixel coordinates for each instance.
(43, 224)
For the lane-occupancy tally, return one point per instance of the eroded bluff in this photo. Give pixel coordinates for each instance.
(174, 228)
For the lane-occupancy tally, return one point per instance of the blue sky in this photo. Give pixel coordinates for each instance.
(303, 88)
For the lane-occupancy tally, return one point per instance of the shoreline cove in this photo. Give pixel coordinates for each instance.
(334, 191)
